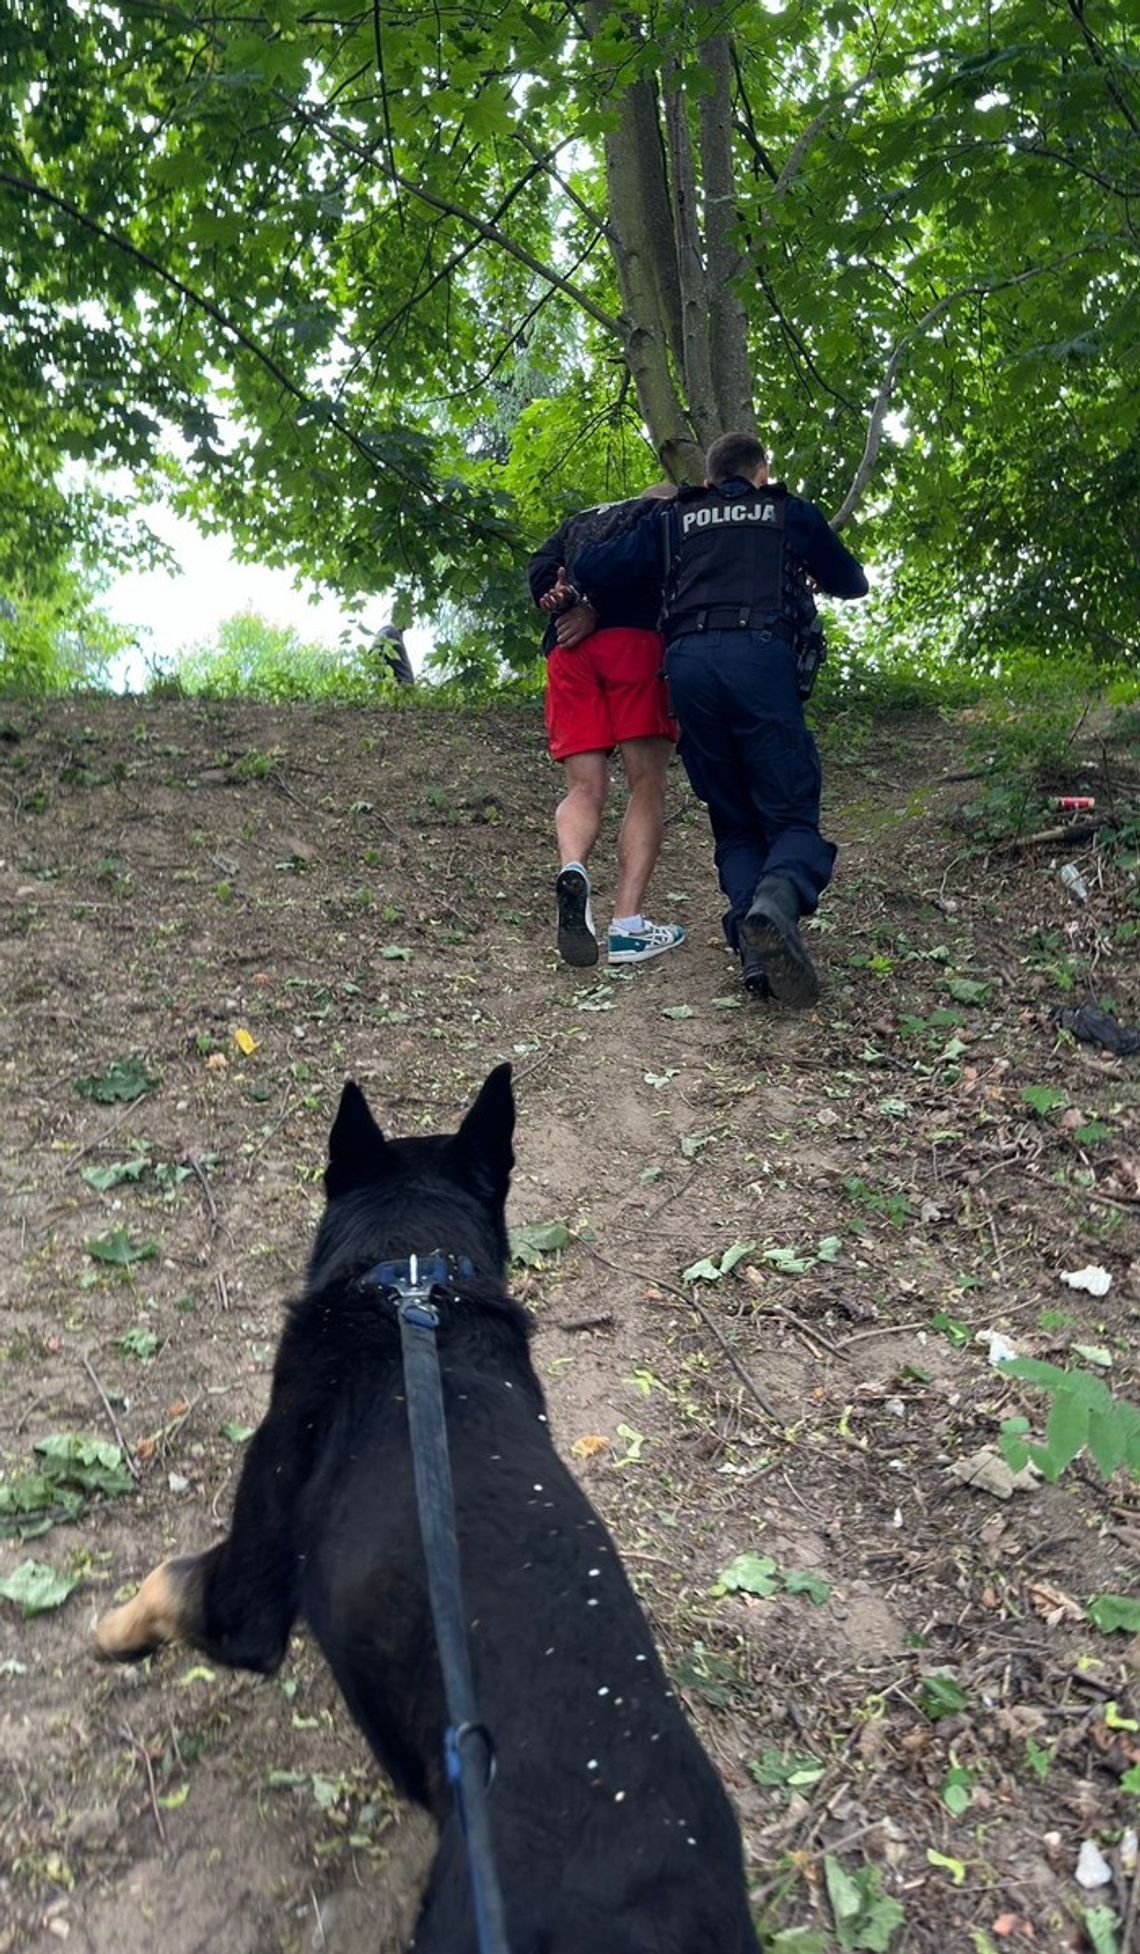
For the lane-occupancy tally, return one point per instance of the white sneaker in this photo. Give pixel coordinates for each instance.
(637, 946)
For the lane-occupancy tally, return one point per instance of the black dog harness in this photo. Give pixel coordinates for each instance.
(416, 1289)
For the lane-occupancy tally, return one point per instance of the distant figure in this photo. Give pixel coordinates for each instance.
(730, 563)
(605, 689)
(389, 642)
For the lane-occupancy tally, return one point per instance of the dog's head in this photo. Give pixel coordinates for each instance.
(445, 1193)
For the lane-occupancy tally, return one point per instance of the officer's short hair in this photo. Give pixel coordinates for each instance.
(734, 454)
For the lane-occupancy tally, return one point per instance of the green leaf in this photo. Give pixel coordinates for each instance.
(538, 1238)
(793, 1771)
(691, 1143)
(958, 1790)
(1100, 1924)
(706, 1270)
(35, 1587)
(787, 1261)
(1088, 1135)
(1110, 1612)
(968, 990)
(954, 1867)
(118, 1171)
(392, 953)
(864, 1917)
(93, 1464)
(1093, 1353)
(1038, 1757)
(940, 1696)
(1066, 1430)
(171, 1800)
(703, 1271)
(138, 1343)
(125, 1079)
(120, 1248)
(678, 1011)
(748, 1574)
(798, 1581)
(1044, 1100)
(236, 1433)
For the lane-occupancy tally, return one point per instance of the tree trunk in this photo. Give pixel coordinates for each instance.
(728, 325)
(642, 241)
(686, 340)
(697, 364)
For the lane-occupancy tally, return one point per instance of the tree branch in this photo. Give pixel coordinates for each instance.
(1077, 9)
(364, 448)
(891, 372)
(746, 124)
(545, 160)
(806, 137)
(494, 235)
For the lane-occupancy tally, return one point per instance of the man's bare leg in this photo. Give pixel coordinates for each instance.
(646, 763)
(578, 816)
(577, 821)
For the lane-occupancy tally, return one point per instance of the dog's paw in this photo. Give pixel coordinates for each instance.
(158, 1613)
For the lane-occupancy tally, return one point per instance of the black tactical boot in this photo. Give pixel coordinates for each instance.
(771, 932)
(752, 971)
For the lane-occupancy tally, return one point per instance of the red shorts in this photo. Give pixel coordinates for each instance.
(608, 689)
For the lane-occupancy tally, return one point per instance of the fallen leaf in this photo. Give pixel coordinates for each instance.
(1053, 1604)
(245, 1041)
(35, 1587)
(985, 1471)
(217, 1062)
(589, 1446)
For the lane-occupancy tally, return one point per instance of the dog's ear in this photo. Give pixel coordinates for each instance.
(356, 1144)
(483, 1141)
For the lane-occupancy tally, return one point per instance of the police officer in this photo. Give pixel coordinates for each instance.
(734, 563)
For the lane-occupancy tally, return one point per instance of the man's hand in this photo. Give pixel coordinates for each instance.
(561, 593)
(576, 624)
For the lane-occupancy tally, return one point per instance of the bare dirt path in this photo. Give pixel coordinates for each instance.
(920, 1704)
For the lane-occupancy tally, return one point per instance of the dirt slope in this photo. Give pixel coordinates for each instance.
(369, 894)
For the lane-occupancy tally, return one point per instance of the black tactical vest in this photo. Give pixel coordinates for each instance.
(727, 570)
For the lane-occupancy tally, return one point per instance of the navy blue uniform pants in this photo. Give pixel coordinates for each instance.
(750, 756)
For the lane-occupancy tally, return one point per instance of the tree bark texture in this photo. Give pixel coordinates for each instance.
(728, 325)
(672, 231)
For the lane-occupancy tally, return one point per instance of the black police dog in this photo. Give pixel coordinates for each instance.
(611, 1828)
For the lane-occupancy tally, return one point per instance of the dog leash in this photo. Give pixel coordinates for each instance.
(468, 1751)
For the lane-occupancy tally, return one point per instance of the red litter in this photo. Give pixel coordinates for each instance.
(1075, 803)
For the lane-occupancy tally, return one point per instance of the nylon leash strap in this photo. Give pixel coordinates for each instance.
(468, 1755)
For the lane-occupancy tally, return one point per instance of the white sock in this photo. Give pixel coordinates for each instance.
(628, 925)
(580, 866)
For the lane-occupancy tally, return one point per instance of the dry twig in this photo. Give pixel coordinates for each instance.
(128, 1455)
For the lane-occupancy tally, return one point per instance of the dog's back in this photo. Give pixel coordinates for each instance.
(611, 1827)
(612, 1832)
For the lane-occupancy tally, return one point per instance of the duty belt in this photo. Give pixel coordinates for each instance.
(728, 617)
